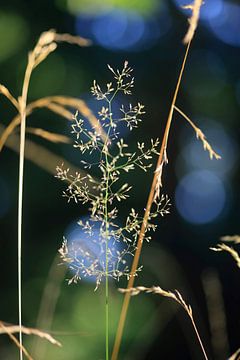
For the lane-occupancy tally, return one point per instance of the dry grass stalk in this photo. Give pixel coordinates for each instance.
(5, 330)
(60, 110)
(231, 238)
(11, 329)
(56, 104)
(30, 331)
(235, 356)
(156, 184)
(47, 43)
(193, 21)
(4, 91)
(200, 135)
(154, 191)
(40, 156)
(70, 39)
(52, 137)
(176, 296)
(230, 250)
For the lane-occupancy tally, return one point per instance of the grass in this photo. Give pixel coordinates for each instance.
(46, 44)
(176, 296)
(83, 187)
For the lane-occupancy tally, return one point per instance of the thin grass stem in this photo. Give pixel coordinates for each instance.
(198, 337)
(22, 107)
(151, 197)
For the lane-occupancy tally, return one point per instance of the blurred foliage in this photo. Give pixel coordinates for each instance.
(14, 33)
(145, 7)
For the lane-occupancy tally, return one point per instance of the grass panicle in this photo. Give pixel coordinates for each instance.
(193, 21)
(176, 296)
(114, 159)
(228, 249)
(231, 238)
(200, 135)
(11, 329)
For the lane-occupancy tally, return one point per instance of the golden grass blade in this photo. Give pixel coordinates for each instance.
(11, 329)
(47, 43)
(176, 296)
(74, 40)
(40, 156)
(155, 189)
(83, 109)
(43, 53)
(193, 21)
(230, 250)
(60, 110)
(200, 135)
(52, 137)
(231, 238)
(57, 105)
(9, 130)
(235, 356)
(4, 91)
(5, 330)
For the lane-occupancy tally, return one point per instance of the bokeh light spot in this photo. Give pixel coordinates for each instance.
(226, 26)
(193, 156)
(81, 242)
(96, 7)
(124, 30)
(118, 30)
(200, 197)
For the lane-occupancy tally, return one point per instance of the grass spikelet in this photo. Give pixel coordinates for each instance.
(50, 136)
(4, 91)
(40, 156)
(200, 135)
(193, 21)
(5, 330)
(235, 356)
(176, 296)
(57, 104)
(11, 329)
(231, 238)
(70, 39)
(230, 250)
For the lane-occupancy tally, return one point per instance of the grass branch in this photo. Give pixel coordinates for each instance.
(176, 296)
(200, 135)
(5, 330)
(155, 190)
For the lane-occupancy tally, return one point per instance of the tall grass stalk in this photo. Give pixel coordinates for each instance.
(155, 189)
(22, 111)
(46, 44)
